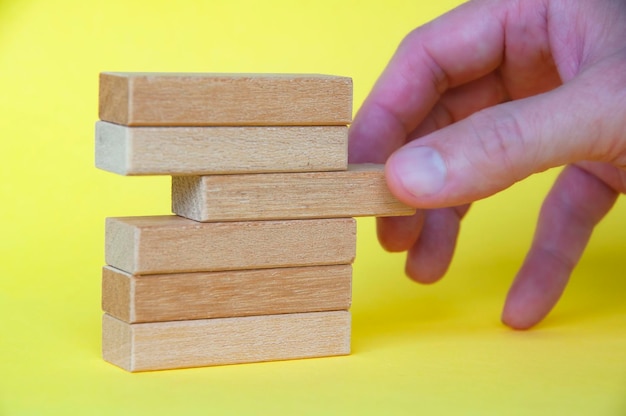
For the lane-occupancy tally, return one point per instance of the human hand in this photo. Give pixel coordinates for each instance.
(495, 91)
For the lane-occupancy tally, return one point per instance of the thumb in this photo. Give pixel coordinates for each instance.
(494, 148)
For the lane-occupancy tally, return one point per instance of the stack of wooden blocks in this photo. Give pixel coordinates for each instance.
(256, 263)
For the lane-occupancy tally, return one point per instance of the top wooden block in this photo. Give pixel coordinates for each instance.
(188, 99)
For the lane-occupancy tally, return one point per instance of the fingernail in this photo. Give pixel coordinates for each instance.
(420, 170)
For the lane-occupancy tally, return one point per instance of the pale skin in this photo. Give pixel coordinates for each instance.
(485, 96)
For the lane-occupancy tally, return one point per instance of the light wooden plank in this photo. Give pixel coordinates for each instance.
(203, 295)
(171, 244)
(359, 191)
(187, 99)
(206, 342)
(218, 150)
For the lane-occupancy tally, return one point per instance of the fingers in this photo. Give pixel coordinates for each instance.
(397, 234)
(426, 90)
(429, 258)
(577, 202)
(463, 45)
(612, 175)
(428, 236)
(496, 147)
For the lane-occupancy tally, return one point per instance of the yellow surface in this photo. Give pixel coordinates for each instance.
(416, 350)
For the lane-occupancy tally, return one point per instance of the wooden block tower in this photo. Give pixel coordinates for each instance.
(256, 263)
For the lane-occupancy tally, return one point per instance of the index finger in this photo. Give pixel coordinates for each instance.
(461, 46)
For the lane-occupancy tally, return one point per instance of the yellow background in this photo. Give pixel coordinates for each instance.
(416, 350)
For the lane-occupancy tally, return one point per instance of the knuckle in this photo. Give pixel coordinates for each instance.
(498, 135)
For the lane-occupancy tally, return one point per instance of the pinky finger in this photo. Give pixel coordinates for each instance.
(576, 203)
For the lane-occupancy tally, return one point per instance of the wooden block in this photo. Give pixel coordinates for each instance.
(359, 191)
(218, 150)
(171, 244)
(186, 99)
(205, 342)
(202, 295)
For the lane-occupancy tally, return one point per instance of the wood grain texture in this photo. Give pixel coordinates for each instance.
(186, 99)
(203, 295)
(359, 191)
(218, 150)
(196, 343)
(171, 244)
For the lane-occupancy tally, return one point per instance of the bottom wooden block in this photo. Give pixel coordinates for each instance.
(205, 342)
